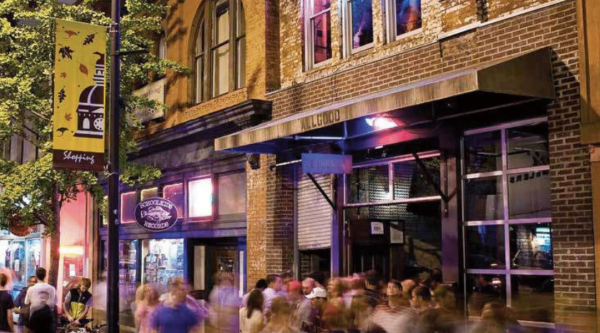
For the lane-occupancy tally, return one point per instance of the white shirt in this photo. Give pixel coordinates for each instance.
(40, 294)
(270, 294)
(254, 324)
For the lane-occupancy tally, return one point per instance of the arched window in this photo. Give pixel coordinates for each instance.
(219, 52)
(86, 123)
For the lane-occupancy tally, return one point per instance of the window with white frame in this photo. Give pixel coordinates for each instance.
(358, 25)
(317, 27)
(404, 16)
(219, 52)
(507, 220)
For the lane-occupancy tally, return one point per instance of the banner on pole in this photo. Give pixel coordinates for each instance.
(79, 82)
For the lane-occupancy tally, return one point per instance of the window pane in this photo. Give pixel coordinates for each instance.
(128, 203)
(483, 152)
(369, 184)
(199, 79)
(29, 150)
(531, 246)
(200, 41)
(241, 20)
(322, 37)
(149, 193)
(483, 199)
(221, 70)
(485, 246)
(410, 180)
(221, 22)
(128, 279)
(528, 146)
(16, 144)
(162, 47)
(533, 297)
(104, 211)
(241, 63)
(362, 22)
(200, 193)
(174, 193)
(232, 194)
(320, 5)
(483, 289)
(529, 195)
(408, 16)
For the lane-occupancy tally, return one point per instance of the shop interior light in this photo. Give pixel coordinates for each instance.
(381, 123)
(71, 251)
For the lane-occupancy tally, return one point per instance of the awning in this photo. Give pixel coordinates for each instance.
(527, 76)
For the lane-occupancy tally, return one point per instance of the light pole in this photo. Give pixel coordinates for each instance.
(112, 297)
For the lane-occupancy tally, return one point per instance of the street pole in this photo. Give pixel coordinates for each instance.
(112, 297)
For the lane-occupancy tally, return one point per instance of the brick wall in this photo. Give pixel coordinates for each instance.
(554, 26)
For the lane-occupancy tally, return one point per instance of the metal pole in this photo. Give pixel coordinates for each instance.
(112, 297)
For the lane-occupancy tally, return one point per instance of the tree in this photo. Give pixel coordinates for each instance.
(33, 193)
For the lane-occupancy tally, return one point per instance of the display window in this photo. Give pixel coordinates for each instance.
(232, 194)
(200, 202)
(128, 274)
(174, 193)
(162, 259)
(21, 256)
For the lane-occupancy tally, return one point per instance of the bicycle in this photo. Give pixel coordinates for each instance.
(71, 328)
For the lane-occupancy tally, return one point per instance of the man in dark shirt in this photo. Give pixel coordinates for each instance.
(78, 304)
(6, 306)
(20, 308)
(174, 316)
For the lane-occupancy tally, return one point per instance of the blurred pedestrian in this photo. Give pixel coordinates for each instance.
(496, 318)
(318, 302)
(20, 308)
(6, 306)
(335, 292)
(252, 319)
(308, 285)
(286, 278)
(146, 304)
(443, 318)
(78, 304)
(261, 285)
(372, 291)
(301, 307)
(280, 318)
(274, 284)
(42, 300)
(175, 316)
(224, 305)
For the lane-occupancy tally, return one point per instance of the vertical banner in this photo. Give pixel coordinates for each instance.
(79, 96)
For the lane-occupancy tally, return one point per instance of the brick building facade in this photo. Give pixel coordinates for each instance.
(454, 35)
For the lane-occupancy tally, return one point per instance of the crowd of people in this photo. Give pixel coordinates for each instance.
(279, 304)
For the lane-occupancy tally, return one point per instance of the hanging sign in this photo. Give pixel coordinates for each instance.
(326, 163)
(153, 91)
(78, 137)
(156, 214)
(18, 228)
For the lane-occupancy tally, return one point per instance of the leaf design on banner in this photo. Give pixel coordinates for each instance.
(62, 130)
(71, 33)
(68, 117)
(89, 39)
(83, 69)
(65, 52)
(62, 95)
(63, 75)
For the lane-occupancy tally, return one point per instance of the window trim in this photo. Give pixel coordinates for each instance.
(309, 50)
(349, 50)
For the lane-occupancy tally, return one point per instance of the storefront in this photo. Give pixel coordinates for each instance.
(449, 173)
(208, 192)
(22, 255)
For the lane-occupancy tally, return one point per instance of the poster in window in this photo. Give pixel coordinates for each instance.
(397, 233)
(377, 228)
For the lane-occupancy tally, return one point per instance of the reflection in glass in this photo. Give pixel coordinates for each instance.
(531, 246)
(222, 22)
(221, 70)
(533, 297)
(174, 193)
(485, 246)
(529, 194)
(369, 184)
(128, 279)
(482, 152)
(320, 5)
(528, 146)
(362, 22)
(408, 16)
(200, 197)
(162, 259)
(483, 199)
(483, 289)
(410, 180)
(128, 203)
(232, 194)
(322, 37)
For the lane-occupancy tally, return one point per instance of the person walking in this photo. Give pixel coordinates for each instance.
(78, 304)
(145, 306)
(175, 316)
(224, 305)
(42, 300)
(20, 308)
(6, 306)
(252, 319)
(274, 283)
(301, 307)
(261, 285)
(280, 318)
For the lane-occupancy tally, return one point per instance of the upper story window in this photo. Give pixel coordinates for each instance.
(358, 25)
(219, 53)
(317, 31)
(20, 149)
(404, 17)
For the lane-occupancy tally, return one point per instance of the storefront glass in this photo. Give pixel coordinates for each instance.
(128, 203)
(232, 194)
(482, 152)
(161, 260)
(200, 201)
(128, 274)
(485, 246)
(484, 199)
(174, 193)
(22, 256)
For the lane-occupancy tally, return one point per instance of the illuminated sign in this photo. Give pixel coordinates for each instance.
(156, 214)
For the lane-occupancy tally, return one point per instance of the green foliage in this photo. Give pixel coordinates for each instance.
(26, 76)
